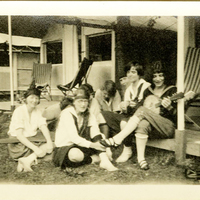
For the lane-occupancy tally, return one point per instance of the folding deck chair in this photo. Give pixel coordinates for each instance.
(192, 81)
(42, 77)
(80, 76)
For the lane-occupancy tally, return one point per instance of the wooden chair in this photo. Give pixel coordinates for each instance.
(80, 76)
(42, 76)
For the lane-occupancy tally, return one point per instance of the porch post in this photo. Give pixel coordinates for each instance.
(11, 64)
(180, 135)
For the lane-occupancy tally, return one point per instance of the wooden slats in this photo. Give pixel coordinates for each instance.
(192, 145)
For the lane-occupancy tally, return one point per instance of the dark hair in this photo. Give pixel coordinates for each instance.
(138, 67)
(81, 93)
(66, 101)
(110, 87)
(87, 87)
(32, 90)
(159, 67)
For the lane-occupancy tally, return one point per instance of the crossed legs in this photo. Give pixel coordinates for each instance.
(25, 163)
(76, 158)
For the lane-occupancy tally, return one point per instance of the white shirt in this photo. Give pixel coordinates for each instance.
(130, 94)
(66, 132)
(21, 119)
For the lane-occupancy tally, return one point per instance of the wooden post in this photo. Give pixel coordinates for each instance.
(11, 64)
(180, 135)
(180, 146)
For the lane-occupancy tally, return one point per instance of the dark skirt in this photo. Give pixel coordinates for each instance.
(60, 156)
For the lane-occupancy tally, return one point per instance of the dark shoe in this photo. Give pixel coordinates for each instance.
(143, 165)
(109, 142)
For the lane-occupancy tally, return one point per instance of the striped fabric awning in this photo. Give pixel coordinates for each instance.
(192, 70)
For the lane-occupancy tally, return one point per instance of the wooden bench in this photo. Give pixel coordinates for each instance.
(192, 143)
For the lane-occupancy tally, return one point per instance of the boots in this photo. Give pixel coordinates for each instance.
(24, 164)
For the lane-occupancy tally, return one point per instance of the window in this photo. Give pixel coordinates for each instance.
(100, 47)
(4, 56)
(54, 52)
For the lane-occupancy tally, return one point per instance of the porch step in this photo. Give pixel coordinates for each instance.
(193, 143)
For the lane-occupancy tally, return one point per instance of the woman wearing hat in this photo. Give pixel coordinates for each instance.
(77, 136)
(25, 122)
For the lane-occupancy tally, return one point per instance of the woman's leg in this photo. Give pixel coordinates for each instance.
(127, 147)
(78, 158)
(141, 135)
(25, 163)
(105, 162)
(127, 129)
(75, 155)
(104, 128)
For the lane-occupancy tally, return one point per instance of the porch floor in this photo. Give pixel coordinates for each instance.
(192, 146)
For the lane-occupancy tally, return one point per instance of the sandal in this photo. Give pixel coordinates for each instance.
(143, 165)
(109, 142)
(191, 174)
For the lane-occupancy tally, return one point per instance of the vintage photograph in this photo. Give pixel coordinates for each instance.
(99, 99)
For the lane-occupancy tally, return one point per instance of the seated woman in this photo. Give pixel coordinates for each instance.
(26, 120)
(77, 136)
(108, 97)
(52, 113)
(149, 120)
(133, 94)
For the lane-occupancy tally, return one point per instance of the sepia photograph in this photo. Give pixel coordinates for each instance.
(99, 100)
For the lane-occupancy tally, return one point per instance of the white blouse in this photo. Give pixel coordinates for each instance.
(66, 132)
(21, 119)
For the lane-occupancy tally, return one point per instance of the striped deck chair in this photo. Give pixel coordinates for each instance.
(82, 74)
(42, 77)
(192, 81)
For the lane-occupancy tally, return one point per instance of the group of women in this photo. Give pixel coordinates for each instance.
(87, 127)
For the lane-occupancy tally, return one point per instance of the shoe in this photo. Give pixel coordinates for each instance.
(109, 142)
(24, 165)
(143, 165)
(125, 155)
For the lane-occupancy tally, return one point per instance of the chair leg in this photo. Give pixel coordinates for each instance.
(190, 120)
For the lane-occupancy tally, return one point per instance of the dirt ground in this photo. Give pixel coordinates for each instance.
(163, 170)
